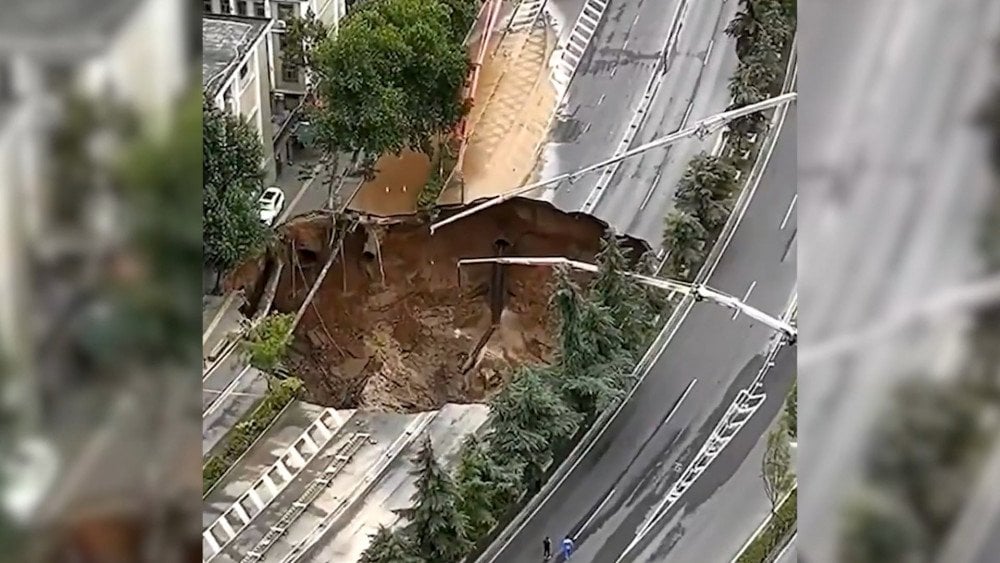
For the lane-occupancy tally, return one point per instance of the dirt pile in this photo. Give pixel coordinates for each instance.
(394, 326)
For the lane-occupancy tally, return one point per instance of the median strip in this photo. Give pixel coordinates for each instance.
(772, 535)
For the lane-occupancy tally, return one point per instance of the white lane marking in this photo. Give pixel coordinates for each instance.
(298, 195)
(614, 415)
(586, 127)
(593, 515)
(743, 206)
(687, 114)
(736, 313)
(224, 393)
(601, 99)
(791, 542)
(652, 188)
(788, 213)
(640, 533)
(708, 53)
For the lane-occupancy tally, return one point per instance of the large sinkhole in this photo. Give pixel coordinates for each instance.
(395, 325)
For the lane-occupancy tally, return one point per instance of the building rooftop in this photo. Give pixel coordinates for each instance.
(225, 41)
(62, 28)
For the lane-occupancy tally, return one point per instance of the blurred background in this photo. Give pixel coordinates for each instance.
(100, 253)
(899, 343)
(100, 280)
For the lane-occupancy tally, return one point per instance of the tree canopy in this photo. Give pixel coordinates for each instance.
(233, 182)
(777, 471)
(437, 527)
(388, 546)
(592, 357)
(267, 344)
(685, 239)
(392, 77)
(706, 190)
(528, 419)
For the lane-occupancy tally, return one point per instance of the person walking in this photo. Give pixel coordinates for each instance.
(567, 548)
(547, 548)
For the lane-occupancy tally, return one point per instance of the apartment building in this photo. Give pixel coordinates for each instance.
(289, 84)
(235, 73)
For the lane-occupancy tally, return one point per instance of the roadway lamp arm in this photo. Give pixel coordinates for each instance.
(700, 292)
(702, 128)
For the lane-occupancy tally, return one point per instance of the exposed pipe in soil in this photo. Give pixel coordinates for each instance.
(264, 305)
(315, 287)
(498, 290)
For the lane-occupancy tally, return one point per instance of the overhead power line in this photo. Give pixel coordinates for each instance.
(701, 129)
(699, 291)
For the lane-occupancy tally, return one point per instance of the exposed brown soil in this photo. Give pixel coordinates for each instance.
(396, 186)
(400, 342)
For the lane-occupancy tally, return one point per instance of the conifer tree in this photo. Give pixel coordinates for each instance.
(528, 420)
(437, 527)
(486, 486)
(592, 355)
(388, 546)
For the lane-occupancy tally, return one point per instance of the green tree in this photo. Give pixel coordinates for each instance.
(462, 14)
(777, 472)
(592, 356)
(436, 525)
(792, 411)
(928, 449)
(267, 344)
(486, 488)
(744, 28)
(878, 528)
(302, 37)
(390, 79)
(621, 295)
(232, 154)
(684, 238)
(657, 301)
(388, 546)
(528, 420)
(706, 190)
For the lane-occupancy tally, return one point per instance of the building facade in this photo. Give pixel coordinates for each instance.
(236, 76)
(289, 85)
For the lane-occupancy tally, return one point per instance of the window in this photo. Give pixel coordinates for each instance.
(282, 42)
(260, 9)
(243, 72)
(290, 73)
(208, 6)
(286, 12)
(225, 7)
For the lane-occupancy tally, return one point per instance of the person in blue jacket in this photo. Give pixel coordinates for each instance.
(567, 547)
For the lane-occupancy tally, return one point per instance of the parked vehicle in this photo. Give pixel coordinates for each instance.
(272, 201)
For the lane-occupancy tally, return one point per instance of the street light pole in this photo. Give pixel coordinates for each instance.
(701, 130)
(700, 292)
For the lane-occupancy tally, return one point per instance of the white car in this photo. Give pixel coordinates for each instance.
(272, 201)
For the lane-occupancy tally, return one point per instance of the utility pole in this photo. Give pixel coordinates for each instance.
(700, 292)
(701, 130)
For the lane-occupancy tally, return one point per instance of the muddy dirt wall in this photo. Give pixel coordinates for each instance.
(394, 326)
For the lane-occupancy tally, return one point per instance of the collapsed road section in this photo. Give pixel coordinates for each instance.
(394, 326)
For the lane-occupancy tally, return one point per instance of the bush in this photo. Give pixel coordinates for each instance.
(254, 424)
(774, 534)
(267, 343)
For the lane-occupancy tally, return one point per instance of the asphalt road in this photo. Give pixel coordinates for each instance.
(893, 182)
(625, 475)
(694, 86)
(789, 555)
(605, 92)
